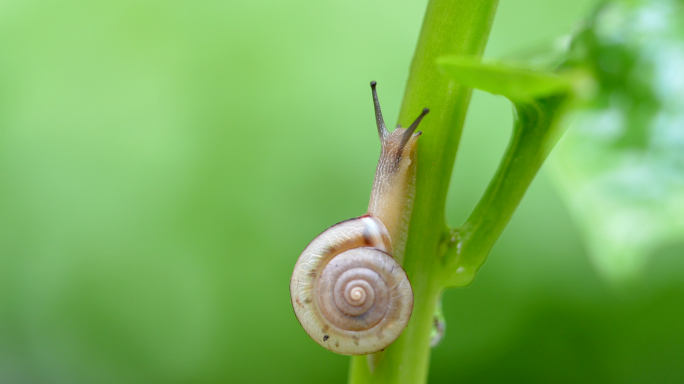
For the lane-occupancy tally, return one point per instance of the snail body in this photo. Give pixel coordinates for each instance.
(348, 289)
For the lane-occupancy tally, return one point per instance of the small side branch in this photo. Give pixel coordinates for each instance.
(536, 131)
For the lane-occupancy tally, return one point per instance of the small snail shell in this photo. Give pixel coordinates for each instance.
(348, 289)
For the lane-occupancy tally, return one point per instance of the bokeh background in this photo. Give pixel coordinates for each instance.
(163, 164)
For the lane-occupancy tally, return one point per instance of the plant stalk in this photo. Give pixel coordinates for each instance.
(537, 129)
(450, 27)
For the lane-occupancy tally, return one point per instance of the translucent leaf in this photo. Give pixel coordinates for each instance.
(547, 55)
(620, 167)
(514, 83)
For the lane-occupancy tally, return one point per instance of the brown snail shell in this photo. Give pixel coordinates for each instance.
(348, 293)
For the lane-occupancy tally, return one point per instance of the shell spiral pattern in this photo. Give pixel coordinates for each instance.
(348, 292)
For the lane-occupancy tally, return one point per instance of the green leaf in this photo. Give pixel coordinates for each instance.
(514, 83)
(620, 169)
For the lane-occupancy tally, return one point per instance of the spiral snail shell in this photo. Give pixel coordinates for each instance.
(348, 289)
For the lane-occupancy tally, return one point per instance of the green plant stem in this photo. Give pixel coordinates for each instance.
(536, 131)
(450, 27)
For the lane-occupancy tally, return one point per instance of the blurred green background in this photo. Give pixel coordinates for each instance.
(164, 163)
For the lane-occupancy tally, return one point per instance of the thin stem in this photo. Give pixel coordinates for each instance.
(450, 27)
(536, 131)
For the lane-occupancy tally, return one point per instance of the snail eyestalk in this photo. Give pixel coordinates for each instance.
(412, 128)
(379, 121)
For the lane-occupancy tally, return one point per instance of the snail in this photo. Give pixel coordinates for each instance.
(348, 289)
